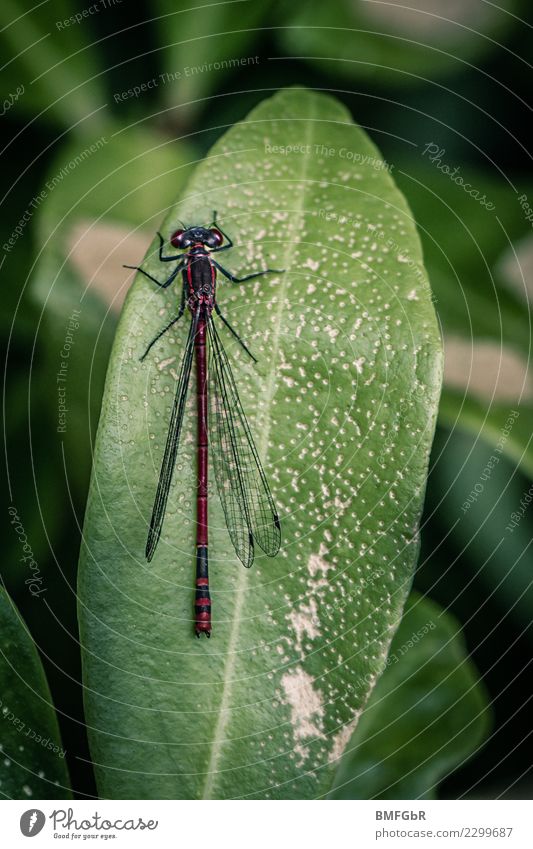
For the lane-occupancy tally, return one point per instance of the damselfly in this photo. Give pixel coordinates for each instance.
(249, 509)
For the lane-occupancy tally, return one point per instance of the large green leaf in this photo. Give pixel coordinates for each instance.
(32, 762)
(342, 404)
(427, 714)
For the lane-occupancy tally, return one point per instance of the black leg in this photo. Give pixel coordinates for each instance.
(169, 325)
(228, 239)
(166, 258)
(234, 332)
(222, 247)
(160, 334)
(153, 279)
(235, 279)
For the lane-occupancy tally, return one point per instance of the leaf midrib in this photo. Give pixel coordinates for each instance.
(229, 666)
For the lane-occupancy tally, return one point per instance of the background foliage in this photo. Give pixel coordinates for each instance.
(443, 99)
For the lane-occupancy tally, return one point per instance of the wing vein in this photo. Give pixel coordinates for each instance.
(242, 485)
(172, 444)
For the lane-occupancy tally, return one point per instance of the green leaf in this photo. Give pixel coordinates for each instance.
(32, 759)
(393, 43)
(342, 403)
(427, 714)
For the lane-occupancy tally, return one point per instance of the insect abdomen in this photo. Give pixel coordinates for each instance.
(202, 602)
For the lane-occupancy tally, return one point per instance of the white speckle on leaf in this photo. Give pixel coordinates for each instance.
(164, 363)
(316, 563)
(306, 704)
(304, 622)
(341, 739)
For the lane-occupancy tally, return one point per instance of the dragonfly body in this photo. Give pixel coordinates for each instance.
(199, 275)
(248, 506)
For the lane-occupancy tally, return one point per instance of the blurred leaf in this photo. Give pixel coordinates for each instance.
(202, 45)
(481, 493)
(55, 65)
(515, 266)
(77, 335)
(32, 762)
(126, 175)
(488, 421)
(30, 467)
(486, 370)
(342, 404)
(428, 713)
(393, 43)
(463, 241)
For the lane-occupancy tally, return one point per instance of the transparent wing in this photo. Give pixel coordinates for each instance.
(171, 448)
(249, 508)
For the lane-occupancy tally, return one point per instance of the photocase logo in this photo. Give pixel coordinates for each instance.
(32, 822)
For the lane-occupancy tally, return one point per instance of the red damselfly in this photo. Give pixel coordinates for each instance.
(249, 509)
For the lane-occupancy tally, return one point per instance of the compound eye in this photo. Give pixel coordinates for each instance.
(176, 240)
(218, 238)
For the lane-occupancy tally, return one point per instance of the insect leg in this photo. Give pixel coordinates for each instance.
(166, 258)
(153, 279)
(235, 279)
(168, 326)
(228, 239)
(234, 332)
